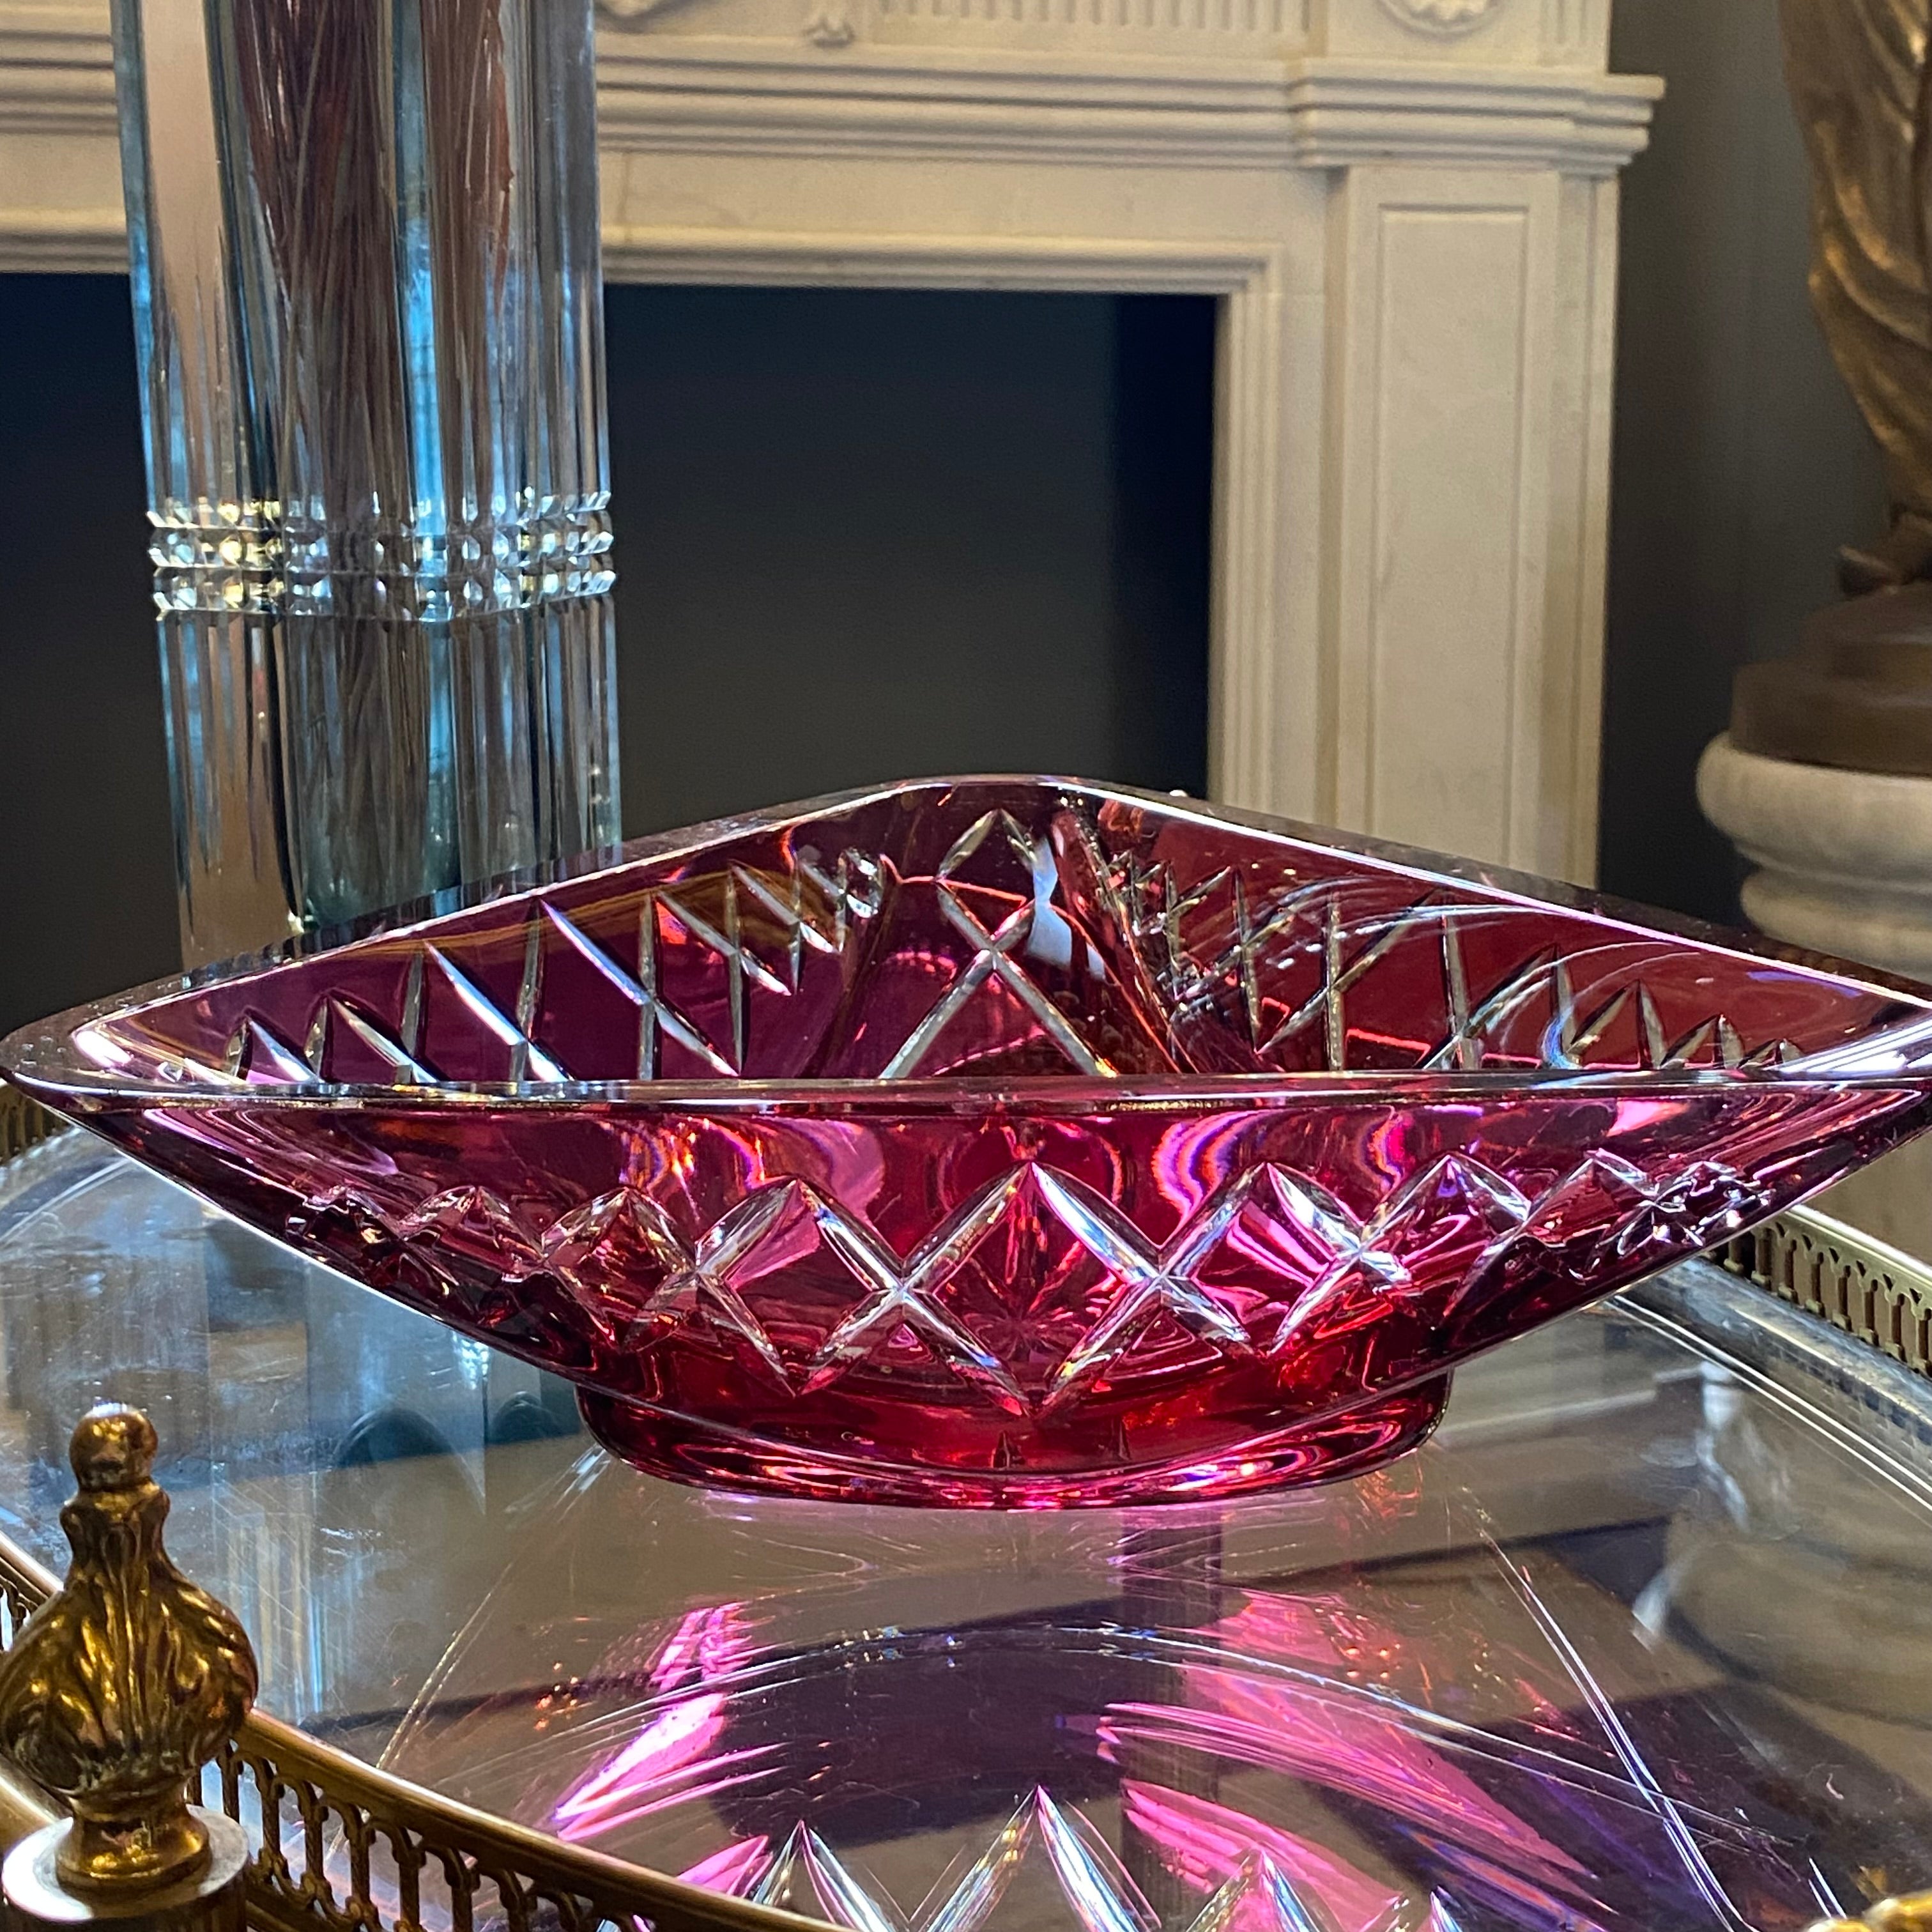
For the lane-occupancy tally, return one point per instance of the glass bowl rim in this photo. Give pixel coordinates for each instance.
(43, 1059)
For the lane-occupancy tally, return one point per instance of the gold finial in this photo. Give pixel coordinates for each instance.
(128, 1680)
(1911, 1913)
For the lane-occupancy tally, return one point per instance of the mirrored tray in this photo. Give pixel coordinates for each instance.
(1638, 1639)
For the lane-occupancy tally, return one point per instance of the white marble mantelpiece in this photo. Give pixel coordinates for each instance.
(1407, 208)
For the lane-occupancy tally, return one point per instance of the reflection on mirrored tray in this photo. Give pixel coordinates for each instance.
(1642, 1638)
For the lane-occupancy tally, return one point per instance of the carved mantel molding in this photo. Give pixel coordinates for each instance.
(716, 95)
(1407, 209)
(689, 91)
(56, 74)
(1444, 17)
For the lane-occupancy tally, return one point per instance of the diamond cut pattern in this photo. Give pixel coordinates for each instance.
(1033, 943)
(992, 952)
(508, 1034)
(803, 1873)
(1222, 951)
(1325, 1268)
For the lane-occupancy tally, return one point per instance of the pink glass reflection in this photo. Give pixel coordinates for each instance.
(1427, 1744)
(1004, 1142)
(675, 1760)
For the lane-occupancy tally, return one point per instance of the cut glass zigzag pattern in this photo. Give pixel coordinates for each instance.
(804, 1873)
(1219, 954)
(1443, 1235)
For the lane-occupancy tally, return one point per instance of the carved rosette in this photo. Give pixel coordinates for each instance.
(128, 1680)
(1444, 17)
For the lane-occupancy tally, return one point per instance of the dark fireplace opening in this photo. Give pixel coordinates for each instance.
(860, 535)
(867, 533)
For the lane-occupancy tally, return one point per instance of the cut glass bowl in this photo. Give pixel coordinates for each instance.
(1006, 1142)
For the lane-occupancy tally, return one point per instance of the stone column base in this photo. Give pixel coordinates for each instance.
(1844, 866)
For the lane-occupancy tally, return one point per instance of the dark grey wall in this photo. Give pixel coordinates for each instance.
(87, 899)
(1741, 463)
(861, 534)
(869, 534)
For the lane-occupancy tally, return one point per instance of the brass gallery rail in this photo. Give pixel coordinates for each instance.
(332, 1827)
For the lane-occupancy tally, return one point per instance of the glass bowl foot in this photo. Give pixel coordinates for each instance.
(688, 1450)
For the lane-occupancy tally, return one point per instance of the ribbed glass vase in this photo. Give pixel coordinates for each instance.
(363, 241)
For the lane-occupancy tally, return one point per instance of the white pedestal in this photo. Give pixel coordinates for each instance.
(1844, 862)
(1844, 859)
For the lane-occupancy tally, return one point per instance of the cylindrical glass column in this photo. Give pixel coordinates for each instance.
(363, 241)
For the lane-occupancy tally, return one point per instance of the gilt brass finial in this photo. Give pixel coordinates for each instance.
(1911, 1912)
(127, 1680)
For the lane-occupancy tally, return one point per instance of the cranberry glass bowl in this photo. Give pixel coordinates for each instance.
(1003, 1141)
